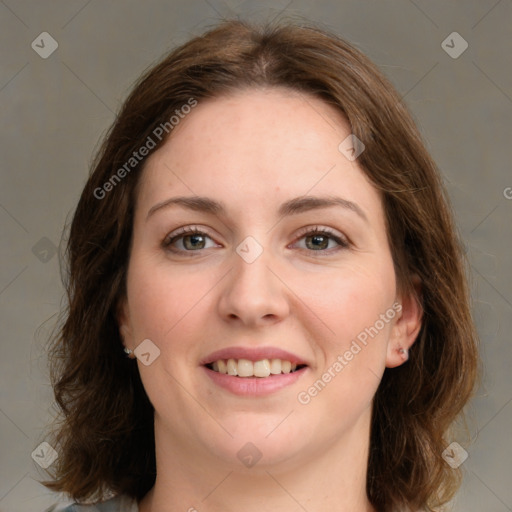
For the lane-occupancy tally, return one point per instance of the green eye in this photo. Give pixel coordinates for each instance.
(321, 240)
(188, 240)
(317, 242)
(193, 242)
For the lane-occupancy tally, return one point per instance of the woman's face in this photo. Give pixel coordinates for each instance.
(256, 239)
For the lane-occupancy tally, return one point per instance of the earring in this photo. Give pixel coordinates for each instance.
(129, 353)
(404, 352)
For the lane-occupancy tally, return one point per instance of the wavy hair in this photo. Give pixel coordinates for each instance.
(105, 432)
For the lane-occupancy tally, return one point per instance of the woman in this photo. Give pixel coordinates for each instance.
(266, 237)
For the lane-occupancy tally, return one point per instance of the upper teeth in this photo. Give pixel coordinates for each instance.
(246, 368)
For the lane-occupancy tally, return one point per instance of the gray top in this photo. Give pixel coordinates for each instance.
(117, 504)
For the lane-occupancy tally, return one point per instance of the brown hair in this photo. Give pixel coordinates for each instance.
(105, 433)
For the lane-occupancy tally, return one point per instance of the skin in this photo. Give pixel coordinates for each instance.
(253, 151)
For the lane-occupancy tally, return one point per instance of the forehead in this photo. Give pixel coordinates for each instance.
(254, 146)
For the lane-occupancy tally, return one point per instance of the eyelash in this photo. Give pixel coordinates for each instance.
(342, 242)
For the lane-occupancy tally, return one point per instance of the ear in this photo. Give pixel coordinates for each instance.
(123, 321)
(406, 327)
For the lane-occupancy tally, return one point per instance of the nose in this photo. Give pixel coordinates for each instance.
(253, 294)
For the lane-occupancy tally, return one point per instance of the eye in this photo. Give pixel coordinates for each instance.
(188, 240)
(321, 240)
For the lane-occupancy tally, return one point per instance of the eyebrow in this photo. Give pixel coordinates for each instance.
(291, 207)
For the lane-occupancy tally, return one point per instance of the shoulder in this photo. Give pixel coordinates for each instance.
(117, 504)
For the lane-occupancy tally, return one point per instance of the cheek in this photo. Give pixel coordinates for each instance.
(350, 298)
(158, 299)
(166, 308)
(354, 353)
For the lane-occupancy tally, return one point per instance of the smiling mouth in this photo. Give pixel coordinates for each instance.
(246, 368)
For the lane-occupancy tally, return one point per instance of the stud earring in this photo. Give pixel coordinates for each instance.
(129, 353)
(404, 352)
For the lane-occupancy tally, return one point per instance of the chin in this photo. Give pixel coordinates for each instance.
(259, 442)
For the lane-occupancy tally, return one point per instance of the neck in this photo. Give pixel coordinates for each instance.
(190, 479)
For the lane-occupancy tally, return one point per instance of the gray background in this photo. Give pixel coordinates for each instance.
(54, 111)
